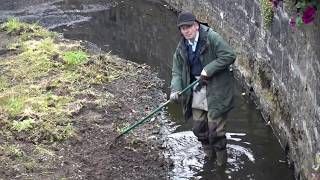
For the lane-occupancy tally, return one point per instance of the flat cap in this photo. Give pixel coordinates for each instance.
(186, 18)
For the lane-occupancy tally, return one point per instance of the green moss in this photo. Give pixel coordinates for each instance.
(75, 57)
(270, 97)
(267, 13)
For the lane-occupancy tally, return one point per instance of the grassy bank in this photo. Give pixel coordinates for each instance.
(45, 82)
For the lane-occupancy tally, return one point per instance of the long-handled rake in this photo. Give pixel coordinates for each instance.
(129, 128)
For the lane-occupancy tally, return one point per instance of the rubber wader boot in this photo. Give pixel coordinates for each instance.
(210, 154)
(221, 157)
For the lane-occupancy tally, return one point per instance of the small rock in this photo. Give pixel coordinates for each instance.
(3, 51)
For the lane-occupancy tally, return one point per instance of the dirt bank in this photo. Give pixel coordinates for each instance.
(61, 104)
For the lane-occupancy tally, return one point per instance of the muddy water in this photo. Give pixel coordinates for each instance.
(144, 31)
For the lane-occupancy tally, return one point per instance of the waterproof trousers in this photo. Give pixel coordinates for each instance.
(210, 132)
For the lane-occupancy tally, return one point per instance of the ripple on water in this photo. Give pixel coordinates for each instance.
(189, 158)
(187, 154)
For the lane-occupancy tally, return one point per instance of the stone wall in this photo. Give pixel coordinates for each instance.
(280, 66)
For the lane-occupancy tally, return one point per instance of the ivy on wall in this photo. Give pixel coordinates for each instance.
(267, 12)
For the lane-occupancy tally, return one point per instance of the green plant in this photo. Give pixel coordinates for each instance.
(47, 46)
(67, 132)
(122, 127)
(30, 164)
(3, 84)
(135, 142)
(267, 13)
(41, 151)
(35, 59)
(39, 31)
(13, 24)
(14, 105)
(61, 132)
(27, 31)
(11, 150)
(69, 77)
(23, 125)
(75, 57)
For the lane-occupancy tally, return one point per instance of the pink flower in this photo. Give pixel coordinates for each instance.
(292, 21)
(309, 14)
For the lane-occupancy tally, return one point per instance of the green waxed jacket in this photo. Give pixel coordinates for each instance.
(216, 56)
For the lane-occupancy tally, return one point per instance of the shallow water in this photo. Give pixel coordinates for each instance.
(144, 31)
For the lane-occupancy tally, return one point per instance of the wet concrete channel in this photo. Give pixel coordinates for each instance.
(145, 31)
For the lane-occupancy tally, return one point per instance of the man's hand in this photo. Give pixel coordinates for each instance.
(174, 97)
(203, 81)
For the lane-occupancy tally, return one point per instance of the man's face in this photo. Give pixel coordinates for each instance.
(189, 31)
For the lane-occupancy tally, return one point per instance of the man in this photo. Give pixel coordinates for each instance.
(203, 54)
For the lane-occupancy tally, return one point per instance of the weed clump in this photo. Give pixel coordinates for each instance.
(13, 105)
(13, 25)
(11, 150)
(75, 57)
(23, 125)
